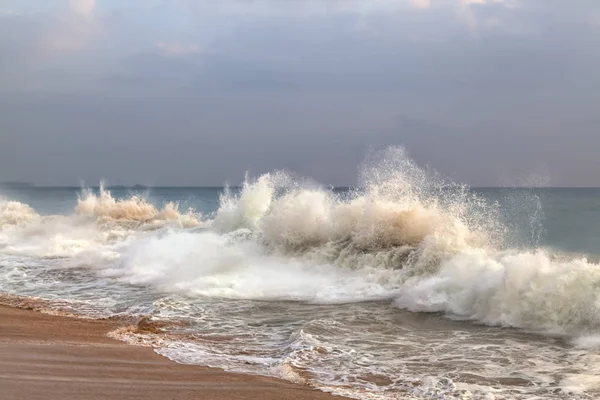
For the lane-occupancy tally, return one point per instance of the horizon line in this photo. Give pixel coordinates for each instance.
(25, 185)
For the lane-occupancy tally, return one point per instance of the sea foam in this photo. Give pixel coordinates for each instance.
(403, 234)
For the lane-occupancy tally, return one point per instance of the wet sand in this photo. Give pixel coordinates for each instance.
(52, 357)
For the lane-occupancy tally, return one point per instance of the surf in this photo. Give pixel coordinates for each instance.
(403, 234)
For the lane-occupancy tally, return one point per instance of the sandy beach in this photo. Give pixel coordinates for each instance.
(52, 357)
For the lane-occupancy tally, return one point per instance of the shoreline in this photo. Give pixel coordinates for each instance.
(50, 357)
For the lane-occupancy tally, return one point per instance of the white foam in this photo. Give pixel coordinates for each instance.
(209, 264)
(98, 223)
(406, 236)
(136, 209)
(14, 213)
(406, 233)
(520, 289)
(591, 342)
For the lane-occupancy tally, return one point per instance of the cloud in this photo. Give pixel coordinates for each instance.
(469, 12)
(422, 4)
(83, 7)
(301, 8)
(74, 28)
(324, 7)
(466, 3)
(366, 12)
(178, 49)
(306, 85)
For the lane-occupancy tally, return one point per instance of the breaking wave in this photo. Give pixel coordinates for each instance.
(425, 243)
(404, 234)
(136, 209)
(14, 213)
(98, 223)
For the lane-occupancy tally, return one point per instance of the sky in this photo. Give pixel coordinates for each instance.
(197, 92)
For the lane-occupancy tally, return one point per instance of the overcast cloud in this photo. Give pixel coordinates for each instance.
(196, 92)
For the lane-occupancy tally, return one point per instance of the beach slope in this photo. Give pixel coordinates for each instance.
(52, 357)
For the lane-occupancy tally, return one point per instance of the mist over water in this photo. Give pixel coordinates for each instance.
(407, 285)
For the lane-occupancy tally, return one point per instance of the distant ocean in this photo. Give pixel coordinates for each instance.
(407, 286)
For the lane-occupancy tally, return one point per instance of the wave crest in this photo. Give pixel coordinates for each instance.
(14, 213)
(106, 208)
(399, 209)
(403, 234)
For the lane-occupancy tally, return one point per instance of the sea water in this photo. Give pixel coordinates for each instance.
(406, 286)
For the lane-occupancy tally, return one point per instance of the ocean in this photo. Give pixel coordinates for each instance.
(407, 286)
